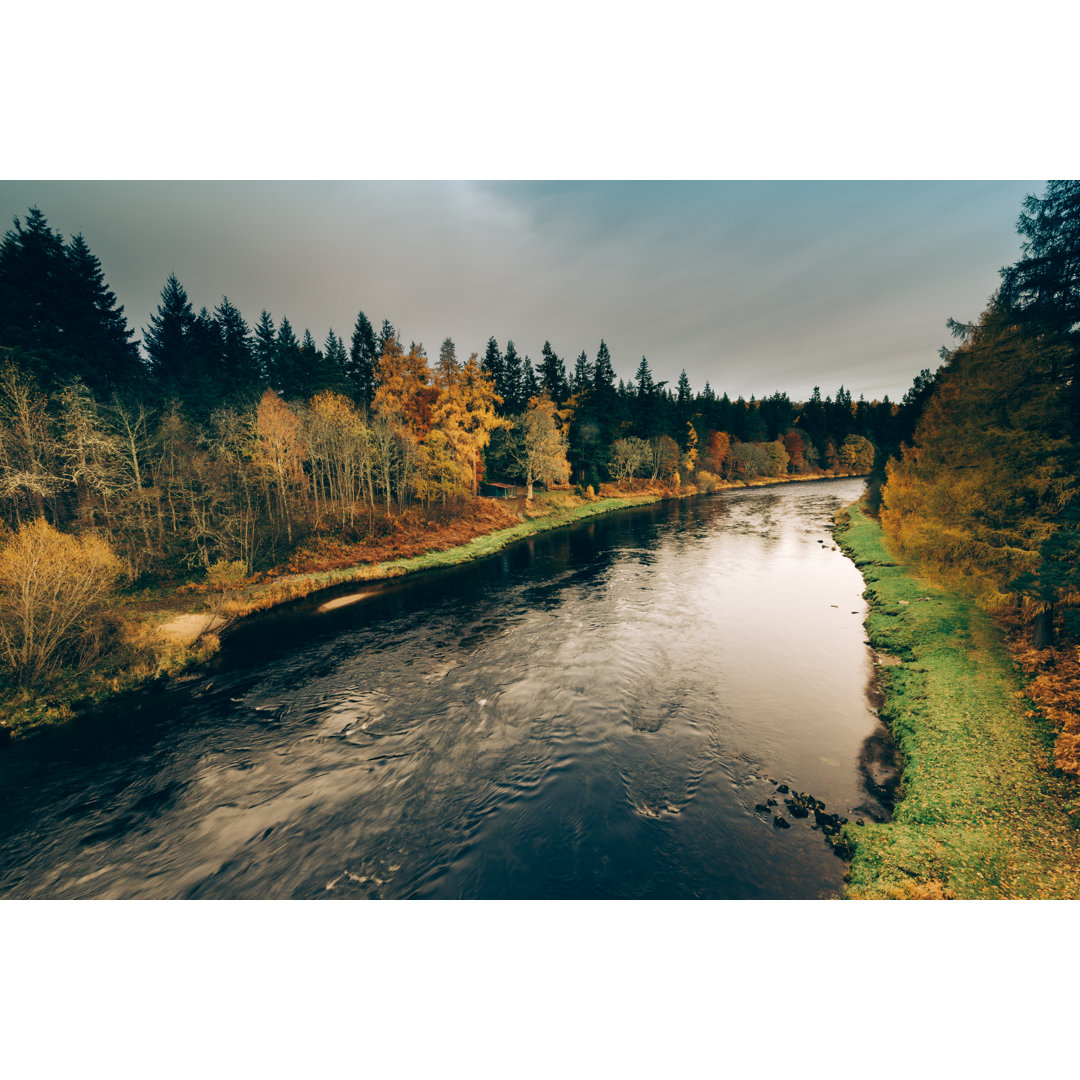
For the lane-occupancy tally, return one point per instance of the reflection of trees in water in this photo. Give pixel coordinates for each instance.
(879, 769)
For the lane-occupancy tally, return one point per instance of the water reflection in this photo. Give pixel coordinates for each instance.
(593, 713)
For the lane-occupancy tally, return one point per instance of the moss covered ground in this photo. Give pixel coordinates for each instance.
(982, 814)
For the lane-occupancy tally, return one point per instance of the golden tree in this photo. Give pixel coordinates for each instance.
(279, 451)
(52, 589)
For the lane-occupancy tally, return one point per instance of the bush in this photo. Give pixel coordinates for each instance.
(707, 481)
(53, 589)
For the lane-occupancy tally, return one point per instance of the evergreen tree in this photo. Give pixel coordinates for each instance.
(530, 384)
(512, 390)
(386, 335)
(492, 366)
(603, 373)
(240, 377)
(684, 399)
(583, 373)
(203, 386)
(553, 375)
(287, 370)
(168, 340)
(94, 327)
(33, 281)
(335, 363)
(647, 401)
(1044, 285)
(264, 347)
(363, 353)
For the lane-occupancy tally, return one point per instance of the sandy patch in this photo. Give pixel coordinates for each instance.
(189, 627)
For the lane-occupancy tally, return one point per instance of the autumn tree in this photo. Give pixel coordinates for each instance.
(29, 476)
(628, 457)
(280, 453)
(796, 450)
(690, 449)
(52, 590)
(339, 452)
(663, 457)
(717, 452)
(538, 445)
(857, 454)
(976, 496)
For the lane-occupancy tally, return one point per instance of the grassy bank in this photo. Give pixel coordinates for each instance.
(166, 635)
(982, 813)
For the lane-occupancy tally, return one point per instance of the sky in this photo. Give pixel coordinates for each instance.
(751, 286)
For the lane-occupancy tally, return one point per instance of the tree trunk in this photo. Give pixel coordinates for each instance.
(1043, 629)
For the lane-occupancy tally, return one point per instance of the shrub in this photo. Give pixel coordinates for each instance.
(706, 481)
(53, 589)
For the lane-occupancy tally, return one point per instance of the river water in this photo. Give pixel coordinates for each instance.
(593, 713)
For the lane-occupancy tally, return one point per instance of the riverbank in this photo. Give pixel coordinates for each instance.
(165, 636)
(982, 812)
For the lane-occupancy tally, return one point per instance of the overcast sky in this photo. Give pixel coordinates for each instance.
(753, 286)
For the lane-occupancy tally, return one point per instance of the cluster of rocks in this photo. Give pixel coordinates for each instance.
(801, 805)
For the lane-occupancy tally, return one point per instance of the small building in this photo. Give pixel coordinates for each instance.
(498, 491)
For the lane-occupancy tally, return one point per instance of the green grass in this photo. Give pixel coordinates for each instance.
(982, 813)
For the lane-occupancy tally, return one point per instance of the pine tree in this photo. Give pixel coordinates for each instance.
(583, 373)
(553, 375)
(264, 347)
(386, 335)
(240, 376)
(646, 403)
(33, 280)
(512, 390)
(530, 384)
(287, 370)
(168, 340)
(603, 373)
(203, 387)
(335, 363)
(363, 353)
(1044, 285)
(684, 398)
(95, 329)
(493, 365)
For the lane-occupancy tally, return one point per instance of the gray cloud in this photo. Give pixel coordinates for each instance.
(751, 286)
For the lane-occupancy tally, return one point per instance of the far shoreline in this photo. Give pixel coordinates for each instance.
(182, 639)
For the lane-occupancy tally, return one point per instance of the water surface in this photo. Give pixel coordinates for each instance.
(595, 712)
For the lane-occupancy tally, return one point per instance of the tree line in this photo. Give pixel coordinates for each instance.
(223, 442)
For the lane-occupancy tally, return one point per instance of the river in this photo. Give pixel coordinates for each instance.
(593, 713)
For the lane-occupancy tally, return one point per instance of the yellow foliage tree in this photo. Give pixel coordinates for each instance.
(279, 450)
(976, 495)
(52, 589)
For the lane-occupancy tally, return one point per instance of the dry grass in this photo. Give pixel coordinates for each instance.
(1054, 690)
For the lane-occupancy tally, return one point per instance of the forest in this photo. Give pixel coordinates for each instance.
(212, 449)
